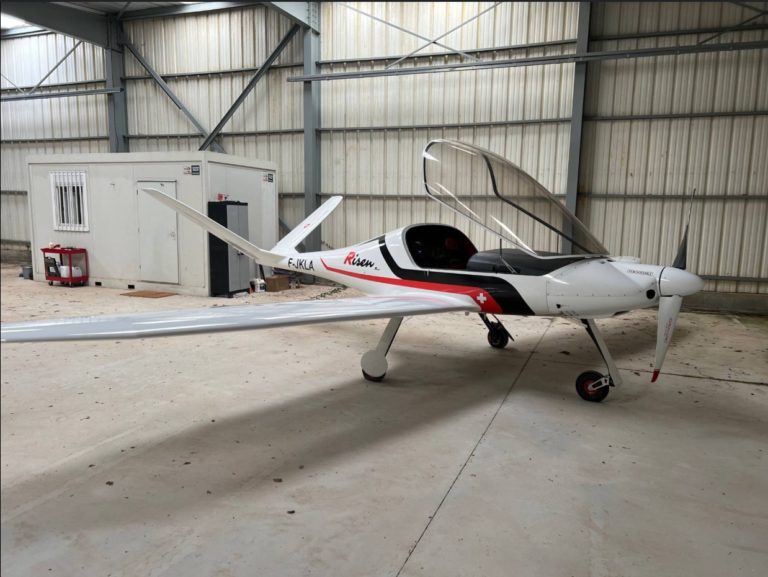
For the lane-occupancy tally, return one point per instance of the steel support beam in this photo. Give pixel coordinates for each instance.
(734, 28)
(444, 125)
(117, 104)
(55, 66)
(233, 134)
(23, 31)
(401, 29)
(193, 8)
(54, 86)
(165, 88)
(312, 175)
(367, 61)
(79, 24)
(43, 95)
(611, 196)
(302, 13)
(675, 115)
(59, 139)
(577, 110)
(443, 35)
(441, 55)
(258, 76)
(683, 32)
(541, 60)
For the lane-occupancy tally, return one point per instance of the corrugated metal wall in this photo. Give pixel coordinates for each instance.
(637, 169)
(373, 130)
(369, 150)
(207, 59)
(27, 125)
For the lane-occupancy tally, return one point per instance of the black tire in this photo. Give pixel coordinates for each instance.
(582, 387)
(373, 379)
(50, 283)
(498, 338)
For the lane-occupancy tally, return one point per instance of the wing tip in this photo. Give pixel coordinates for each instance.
(655, 375)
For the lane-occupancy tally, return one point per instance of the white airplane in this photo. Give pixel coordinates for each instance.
(552, 266)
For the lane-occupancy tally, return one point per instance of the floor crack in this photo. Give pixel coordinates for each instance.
(474, 448)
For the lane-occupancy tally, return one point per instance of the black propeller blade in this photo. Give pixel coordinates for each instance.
(681, 259)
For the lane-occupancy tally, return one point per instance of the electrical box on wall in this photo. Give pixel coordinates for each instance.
(95, 201)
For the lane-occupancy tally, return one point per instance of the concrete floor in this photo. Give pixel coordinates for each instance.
(266, 453)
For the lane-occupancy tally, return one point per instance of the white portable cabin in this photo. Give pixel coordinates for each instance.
(95, 201)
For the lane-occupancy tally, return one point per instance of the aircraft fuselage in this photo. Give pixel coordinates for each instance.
(584, 287)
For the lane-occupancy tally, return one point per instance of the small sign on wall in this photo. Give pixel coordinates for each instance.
(194, 170)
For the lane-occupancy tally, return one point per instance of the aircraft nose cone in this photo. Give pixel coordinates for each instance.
(674, 281)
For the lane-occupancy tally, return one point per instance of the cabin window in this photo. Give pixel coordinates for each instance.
(70, 203)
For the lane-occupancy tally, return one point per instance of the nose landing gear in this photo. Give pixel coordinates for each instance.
(591, 385)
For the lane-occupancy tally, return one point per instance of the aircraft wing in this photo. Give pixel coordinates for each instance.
(231, 318)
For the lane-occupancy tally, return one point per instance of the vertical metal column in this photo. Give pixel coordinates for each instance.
(577, 112)
(311, 128)
(117, 105)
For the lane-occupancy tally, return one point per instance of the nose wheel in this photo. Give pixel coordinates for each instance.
(593, 386)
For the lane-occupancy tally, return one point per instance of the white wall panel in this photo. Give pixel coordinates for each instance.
(211, 41)
(386, 161)
(14, 217)
(13, 159)
(351, 35)
(25, 61)
(76, 117)
(388, 164)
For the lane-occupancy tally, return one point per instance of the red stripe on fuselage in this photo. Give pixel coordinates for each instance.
(482, 297)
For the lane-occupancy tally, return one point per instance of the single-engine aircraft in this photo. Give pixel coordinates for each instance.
(550, 265)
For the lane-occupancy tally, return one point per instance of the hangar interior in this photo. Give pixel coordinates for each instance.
(265, 452)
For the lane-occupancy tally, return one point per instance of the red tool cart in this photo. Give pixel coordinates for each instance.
(56, 270)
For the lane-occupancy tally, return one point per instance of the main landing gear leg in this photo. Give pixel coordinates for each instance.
(591, 385)
(498, 335)
(374, 363)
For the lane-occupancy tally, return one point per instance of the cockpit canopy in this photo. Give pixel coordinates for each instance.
(504, 201)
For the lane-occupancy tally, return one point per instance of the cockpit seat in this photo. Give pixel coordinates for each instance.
(437, 246)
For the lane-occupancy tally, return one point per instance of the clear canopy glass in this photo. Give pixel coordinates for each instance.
(471, 181)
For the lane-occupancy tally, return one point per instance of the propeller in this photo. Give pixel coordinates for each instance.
(674, 283)
(669, 308)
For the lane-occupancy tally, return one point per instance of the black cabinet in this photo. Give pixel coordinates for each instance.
(229, 268)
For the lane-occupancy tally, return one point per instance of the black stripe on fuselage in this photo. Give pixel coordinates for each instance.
(509, 299)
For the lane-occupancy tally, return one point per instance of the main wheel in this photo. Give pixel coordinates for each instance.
(374, 366)
(373, 379)
(498, 338)
(583, 383)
